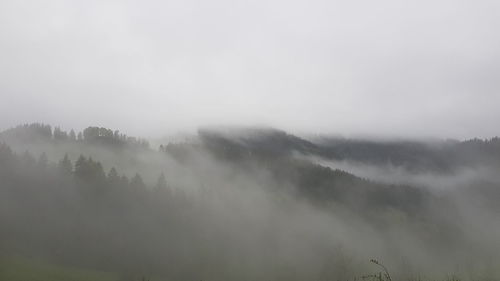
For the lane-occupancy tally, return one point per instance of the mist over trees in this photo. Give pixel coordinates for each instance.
(243, 204)
(43, 132)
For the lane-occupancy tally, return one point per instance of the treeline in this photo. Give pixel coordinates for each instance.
(97, 135)
(84, 170)
(78, 214)
(437, 157)
(320, 185)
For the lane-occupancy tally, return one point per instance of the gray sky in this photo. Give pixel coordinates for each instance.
(377, 68)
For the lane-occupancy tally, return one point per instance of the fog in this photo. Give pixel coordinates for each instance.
(249, 140)
(228, 211)
(393, 174)
(426, 69)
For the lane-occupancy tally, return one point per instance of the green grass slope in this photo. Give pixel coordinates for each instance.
(22, 269)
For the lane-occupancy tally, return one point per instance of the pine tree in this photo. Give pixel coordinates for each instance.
(137, 182)
(6, 153)
(43, 161)
(27, 159)
(81, 167)
(72, 135)
(98, 171)
(161, 184)
(60, 134)
(89, 170)
(113, 177)
(124, 182)
(65, 165)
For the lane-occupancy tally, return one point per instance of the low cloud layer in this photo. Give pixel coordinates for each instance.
(367, 68)
(391, 174)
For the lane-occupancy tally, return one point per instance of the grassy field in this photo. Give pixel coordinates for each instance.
(22, 269)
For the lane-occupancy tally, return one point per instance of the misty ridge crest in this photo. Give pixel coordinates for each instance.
(242, 203)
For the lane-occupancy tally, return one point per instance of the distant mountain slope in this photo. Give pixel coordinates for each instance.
(222, 171)
(274, 151)
(258, 141)
(416, 156)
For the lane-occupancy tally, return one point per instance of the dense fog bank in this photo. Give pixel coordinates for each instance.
(238, 207)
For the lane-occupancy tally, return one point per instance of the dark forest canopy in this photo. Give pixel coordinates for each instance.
(443, 156)
(417, 156)
(75, 213)
(99, 135)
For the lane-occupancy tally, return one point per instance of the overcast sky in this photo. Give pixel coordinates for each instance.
(375, 68)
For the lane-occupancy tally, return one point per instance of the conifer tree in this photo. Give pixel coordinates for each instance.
(137, 182)
(161, 184)
(81, 167)
(65, 165)
(43, 161)
(72, 135)
(113, 177)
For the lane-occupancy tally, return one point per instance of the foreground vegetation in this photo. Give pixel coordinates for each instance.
(16, 268)
(24, 269)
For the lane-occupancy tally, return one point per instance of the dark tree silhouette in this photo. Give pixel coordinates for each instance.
(60, 135)
(89, 170)
(65, 165)
(72, 135)
(161, 184)
(113, 177)
(136, 182)
(43, 161)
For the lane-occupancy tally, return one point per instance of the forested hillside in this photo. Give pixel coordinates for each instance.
(237, 203)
